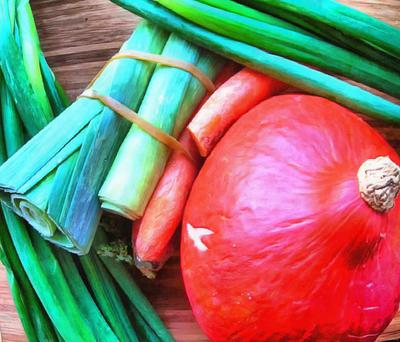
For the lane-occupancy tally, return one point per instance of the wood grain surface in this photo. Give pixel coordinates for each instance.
(78, 36)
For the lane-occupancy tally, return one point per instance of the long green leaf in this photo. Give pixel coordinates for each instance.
(30, 47)
(107, 296)
(289, 44)
(84, 299)
(348, 20)
(303, 25)
(295, 74)
(11, 63)
(132, 291)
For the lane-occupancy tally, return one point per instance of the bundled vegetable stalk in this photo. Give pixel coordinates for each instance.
(52, 296)
(288, 71)
(170, 99)
(54, 186)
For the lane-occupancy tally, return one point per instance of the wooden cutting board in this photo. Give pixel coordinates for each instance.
(78, 36)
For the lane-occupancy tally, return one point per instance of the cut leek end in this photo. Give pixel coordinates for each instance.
(120, 210)
(40, 221)
(34, 216)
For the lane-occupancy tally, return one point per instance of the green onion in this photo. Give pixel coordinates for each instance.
(144, 331)
(290, 44)
(295, 74)
(345, 19)
(31, 53)
(10, 263)
(125, 280)
(128, 188)
(107, 296)
(31, 182)
(57, 97)
(82, 295)
(12, 126)
(302, 25)
(11, 62)
(234, 7)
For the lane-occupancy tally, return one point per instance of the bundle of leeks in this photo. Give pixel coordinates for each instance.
(58, 296)
(54, 186)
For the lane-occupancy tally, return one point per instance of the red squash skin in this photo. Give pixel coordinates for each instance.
(295, 254)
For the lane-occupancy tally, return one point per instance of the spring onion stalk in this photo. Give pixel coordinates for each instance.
(12, 126)
(10, 260)
(31, 53)
(30, 180)
(81, 292)
(290, 72)
(107, 296)
(57, 97)
(16, 77)
(15, 287)
(143, 330)
(347, 20)
(128, 188)
(234, 7)
(289, 44)
(301, 25)
(127, 284)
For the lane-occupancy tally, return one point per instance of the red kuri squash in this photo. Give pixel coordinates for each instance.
(290, 228)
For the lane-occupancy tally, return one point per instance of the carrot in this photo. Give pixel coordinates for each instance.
(151, 235)
(234, 98)
(164, 211)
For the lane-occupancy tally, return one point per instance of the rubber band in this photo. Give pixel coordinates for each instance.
(151, 57)
(133, 117)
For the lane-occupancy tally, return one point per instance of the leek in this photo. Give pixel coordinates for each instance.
(92, 131)
(293, 73)
(141, 159)
(289, 44)
(53, 272)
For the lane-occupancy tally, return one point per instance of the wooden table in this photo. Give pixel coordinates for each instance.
(78, 36)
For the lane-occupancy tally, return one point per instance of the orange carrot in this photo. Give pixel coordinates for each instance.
(164, 211)
(233, 99)
(151, 236)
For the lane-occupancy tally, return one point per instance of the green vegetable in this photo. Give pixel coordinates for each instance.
(293, 73)
(11, 264)
(27, 102)
(107, 296)
(290, 44)
(85, 301)
(345, 19)
(125, 280)
(12, 126)
(92, 131)
(57, 97)
(144, 331)
(167, 91)
(31, 53)
(303, 25)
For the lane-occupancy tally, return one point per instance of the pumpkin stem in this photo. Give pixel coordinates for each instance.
(379, 183)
